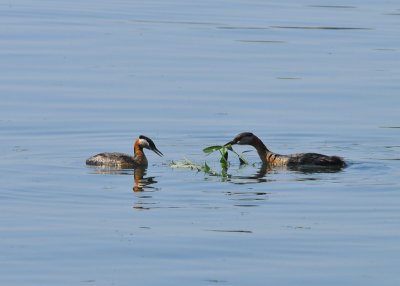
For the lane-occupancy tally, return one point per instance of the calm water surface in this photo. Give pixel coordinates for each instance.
(81, 78)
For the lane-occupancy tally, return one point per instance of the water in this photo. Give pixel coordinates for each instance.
(82, 78)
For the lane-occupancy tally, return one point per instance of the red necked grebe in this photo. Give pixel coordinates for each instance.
(125, 161)
(268, 157)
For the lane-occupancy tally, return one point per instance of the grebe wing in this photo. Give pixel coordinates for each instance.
(315, 159)
(111, 159)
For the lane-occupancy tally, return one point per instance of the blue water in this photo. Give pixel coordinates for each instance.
(79, 78)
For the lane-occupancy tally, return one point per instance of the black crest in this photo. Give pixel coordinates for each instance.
(151, 143)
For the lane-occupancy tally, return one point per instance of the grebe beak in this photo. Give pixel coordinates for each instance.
(150, 145)
(158, 152)
(230, 143)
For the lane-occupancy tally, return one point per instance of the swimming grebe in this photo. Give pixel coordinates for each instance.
(125, 161)
(271, 158)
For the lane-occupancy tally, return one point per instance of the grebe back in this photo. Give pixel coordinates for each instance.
(125, 161)
(271, 158)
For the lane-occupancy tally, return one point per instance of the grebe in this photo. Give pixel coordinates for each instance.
(125, 161)
(271, 158)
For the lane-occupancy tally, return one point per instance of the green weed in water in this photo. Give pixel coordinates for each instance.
(223, 150)
(186, 164)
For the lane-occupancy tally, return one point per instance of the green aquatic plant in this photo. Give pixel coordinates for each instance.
(223, 149)
(186, 164)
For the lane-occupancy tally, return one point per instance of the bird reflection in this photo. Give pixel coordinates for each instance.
(313, 169)
(263, 174)
(140, 182)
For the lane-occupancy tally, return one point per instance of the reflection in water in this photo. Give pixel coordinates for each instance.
(141, 182)
(258, 177)
(261, 176)
(243, 198)
(311, 169)
(267, 173)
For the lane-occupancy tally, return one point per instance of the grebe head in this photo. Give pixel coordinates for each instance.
(245, 138)
(146, 142)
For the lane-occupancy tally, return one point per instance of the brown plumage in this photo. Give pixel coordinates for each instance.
(125, 161)
(300, 159)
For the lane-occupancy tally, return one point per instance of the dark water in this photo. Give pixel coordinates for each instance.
(81, 78)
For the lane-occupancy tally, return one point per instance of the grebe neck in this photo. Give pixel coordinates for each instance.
(262, 150)
(139, 156)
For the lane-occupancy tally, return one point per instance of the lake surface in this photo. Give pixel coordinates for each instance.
(78, 78)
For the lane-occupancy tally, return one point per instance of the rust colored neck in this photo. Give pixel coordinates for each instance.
(139, 157)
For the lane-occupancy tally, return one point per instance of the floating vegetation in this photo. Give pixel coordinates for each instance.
(224, 154)
(186, 164)
(223, 150)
